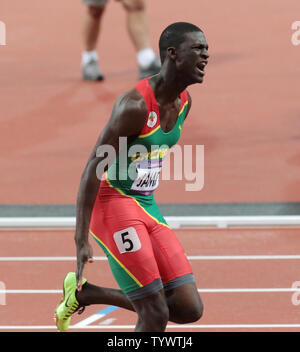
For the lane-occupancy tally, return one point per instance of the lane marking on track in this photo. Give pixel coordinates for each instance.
(108, 321)
(31, 291)
(97, 316)
(44, 259)
(190, 257)
(175, 222)
(125, 327)
(246, 290)
(201, 290)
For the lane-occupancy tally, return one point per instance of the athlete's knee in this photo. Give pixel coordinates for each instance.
(153, 313)
(194, 312)
(95, 12)
(191, 312)
(133, 5)
(157, 316)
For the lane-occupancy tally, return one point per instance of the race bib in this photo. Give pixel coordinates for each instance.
(127, 240)
(147, 179)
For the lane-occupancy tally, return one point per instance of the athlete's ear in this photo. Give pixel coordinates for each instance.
(172, 53)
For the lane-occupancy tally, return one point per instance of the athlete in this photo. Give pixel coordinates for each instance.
(146, 259)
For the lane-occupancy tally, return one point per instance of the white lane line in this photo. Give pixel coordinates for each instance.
(173, 221)
(125, 327)
(97, 316)
(190, 257)
(43, 259)
(201, 290)
(31, 291)
(89, 320)
(246, 290)
(108, 321)
(243, 257)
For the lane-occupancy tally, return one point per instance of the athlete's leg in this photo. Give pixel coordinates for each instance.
(191, 310)
(118, 225)
(153, 312)
(137, 23)
(91, 25)
(90, 31)
(92, 294)
(136, 272)
(177, 276)
(139, 260)
(178, 288)
(138, 30)
(179, 285)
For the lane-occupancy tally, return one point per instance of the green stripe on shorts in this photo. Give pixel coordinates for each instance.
(124, 278)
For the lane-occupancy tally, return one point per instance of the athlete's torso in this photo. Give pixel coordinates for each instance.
(136, 169)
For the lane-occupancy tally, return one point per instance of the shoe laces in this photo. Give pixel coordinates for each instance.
(80, 310)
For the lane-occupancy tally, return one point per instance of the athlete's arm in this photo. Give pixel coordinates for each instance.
(127, 120)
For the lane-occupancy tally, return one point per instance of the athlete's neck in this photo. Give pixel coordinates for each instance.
(166, 87)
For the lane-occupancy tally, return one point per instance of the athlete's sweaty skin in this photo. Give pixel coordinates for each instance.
(182, 66)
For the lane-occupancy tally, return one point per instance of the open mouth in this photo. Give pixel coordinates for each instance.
(201, 67)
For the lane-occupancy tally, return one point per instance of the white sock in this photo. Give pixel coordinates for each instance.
(88, 56)
(145, 57)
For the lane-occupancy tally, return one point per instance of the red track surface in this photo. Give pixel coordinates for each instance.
(220, 307)
(246, 114)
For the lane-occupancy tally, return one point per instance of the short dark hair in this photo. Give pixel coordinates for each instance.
(173, 35)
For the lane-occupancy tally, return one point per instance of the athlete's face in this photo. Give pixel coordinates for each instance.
(192, 57)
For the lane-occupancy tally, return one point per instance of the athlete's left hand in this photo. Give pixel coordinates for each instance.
(84, 255)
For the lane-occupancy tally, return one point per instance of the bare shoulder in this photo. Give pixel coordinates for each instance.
(132, 99)
(129, 113)
(127, 119)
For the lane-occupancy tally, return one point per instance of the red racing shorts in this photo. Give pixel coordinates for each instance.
(143, 252)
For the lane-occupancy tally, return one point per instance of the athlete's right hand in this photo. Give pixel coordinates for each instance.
(84, 255)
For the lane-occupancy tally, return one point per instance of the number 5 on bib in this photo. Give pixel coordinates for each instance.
(127, 240)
